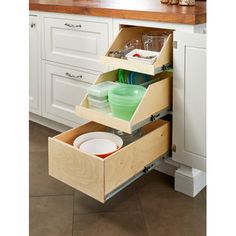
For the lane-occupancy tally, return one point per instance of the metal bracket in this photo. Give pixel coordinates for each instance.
(173, 148)
(152, 118)
(146, 170)
(175, 44)
(163, 68)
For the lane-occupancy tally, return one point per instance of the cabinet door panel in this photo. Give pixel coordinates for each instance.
(34, 66)
(189, 100)
(64, 89)
(76, 42)
(195, 101)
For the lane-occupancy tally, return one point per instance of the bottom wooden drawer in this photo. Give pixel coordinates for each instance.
(98, 177)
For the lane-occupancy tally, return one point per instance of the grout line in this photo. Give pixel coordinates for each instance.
(52, 195)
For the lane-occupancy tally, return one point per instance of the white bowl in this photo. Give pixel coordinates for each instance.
(143, 53)
(100, 144)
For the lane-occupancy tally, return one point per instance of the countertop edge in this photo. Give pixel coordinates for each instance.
(122, 14)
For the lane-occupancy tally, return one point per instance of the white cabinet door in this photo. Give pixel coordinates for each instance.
(64, 88)
(34, 66)
(189, 100)
(78, 42)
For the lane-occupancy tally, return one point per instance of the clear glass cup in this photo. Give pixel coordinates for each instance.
(134, 44)
(187, 2)
(154, 40)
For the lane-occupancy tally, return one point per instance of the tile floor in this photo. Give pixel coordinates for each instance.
(148, 207)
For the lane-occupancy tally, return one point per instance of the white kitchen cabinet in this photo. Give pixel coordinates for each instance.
(34, 65)
(64, 88)
(76, 41)
(189, 100)
(71, 49)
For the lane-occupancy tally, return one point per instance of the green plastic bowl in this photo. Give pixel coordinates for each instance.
(127, 93)
(124, 100)
(123, 112)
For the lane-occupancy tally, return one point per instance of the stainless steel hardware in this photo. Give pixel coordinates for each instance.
(73, 76)
(152, 118)
(73, 26)
(32, 25)
(174, 44)
(173, 148)
(146, 170)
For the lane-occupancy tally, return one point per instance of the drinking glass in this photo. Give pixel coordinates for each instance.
(154, 40)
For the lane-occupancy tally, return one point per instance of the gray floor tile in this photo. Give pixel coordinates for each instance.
(149, 207)
(155, 181)
(173, 214)
(51, 216)
(38, 137)
(126, 200)
(110, 224)
(40, 183)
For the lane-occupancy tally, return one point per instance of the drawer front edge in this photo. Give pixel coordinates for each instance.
(76, 169)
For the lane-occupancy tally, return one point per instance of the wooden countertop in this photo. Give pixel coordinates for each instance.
(151, 10)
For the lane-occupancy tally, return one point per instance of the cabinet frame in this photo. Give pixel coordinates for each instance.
(35, 104)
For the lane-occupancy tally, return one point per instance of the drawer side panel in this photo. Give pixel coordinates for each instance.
(132, 159)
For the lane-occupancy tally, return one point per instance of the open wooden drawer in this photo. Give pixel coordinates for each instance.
(98, 177)
(127, 34)
(155, 103)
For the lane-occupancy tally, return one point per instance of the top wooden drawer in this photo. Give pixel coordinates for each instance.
(76, 42)
(126, 35)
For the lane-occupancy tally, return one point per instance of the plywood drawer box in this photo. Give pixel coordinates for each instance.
(76, 42)
(127, 34)
(98, 177)
(156, 101)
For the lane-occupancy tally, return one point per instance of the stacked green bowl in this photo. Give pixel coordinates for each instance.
(125, 99)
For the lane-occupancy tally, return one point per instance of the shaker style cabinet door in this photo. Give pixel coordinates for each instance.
(189, 100)
(34, 66)
(78, 42)
(64, 88)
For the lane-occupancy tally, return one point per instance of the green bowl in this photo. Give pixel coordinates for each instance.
(126, 94)
(124, 100)
(122, 112)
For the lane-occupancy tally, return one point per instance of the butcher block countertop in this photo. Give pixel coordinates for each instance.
(150, 10)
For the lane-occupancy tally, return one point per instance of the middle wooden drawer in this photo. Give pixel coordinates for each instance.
(156, 102)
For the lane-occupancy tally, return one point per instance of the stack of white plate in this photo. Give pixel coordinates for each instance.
(101, 144)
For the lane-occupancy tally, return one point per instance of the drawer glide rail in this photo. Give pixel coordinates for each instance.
(152, 118)
(146, 170)
(163, 68)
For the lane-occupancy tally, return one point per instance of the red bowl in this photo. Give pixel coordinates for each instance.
(107, 154)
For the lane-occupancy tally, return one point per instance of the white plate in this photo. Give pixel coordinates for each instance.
(105, 136)
(98, 146)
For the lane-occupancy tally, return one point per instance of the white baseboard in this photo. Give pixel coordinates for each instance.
(48, 123)
(189, 181)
